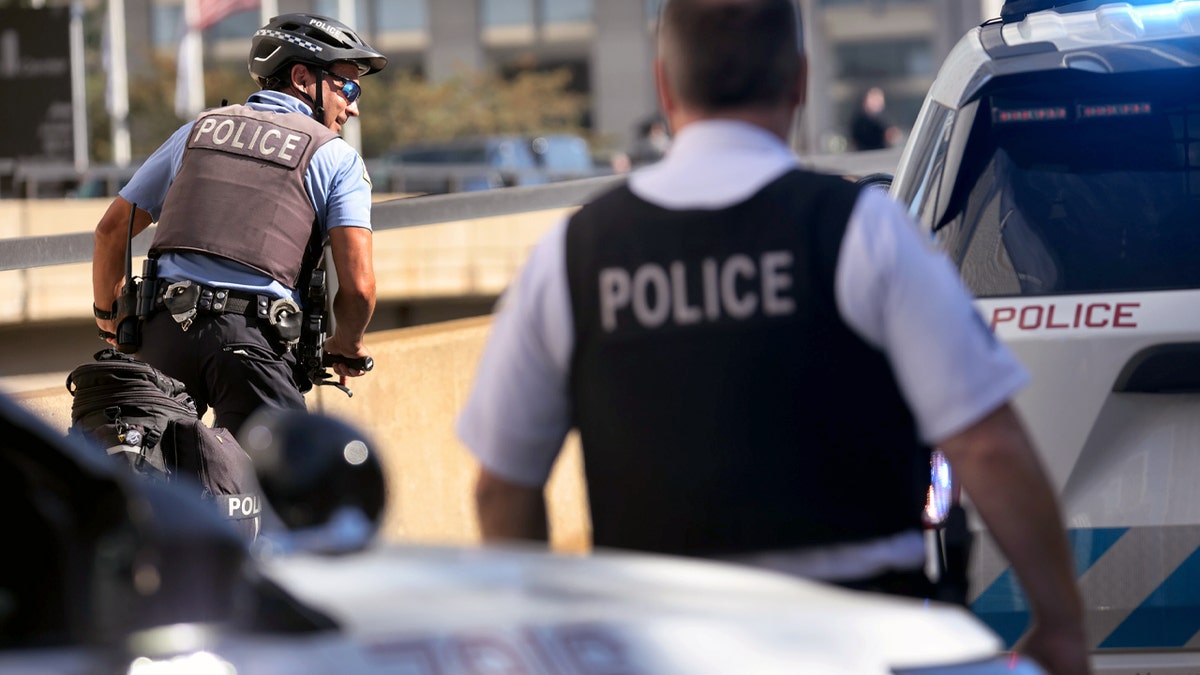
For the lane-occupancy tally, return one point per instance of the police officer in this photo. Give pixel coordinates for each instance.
(245, 196)
(758, 358)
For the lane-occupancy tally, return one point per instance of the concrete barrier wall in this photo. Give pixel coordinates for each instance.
(475, 258)
(34, 294)
(407, 405)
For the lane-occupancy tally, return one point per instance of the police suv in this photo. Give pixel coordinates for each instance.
(1057, 161)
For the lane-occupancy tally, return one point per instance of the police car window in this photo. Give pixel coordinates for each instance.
(1094, 191)
(929, 149)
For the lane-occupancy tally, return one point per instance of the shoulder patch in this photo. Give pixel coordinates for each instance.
(367, 176)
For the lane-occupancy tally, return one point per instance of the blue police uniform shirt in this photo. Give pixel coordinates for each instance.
(336, 180)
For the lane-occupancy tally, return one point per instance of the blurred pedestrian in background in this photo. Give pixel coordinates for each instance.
(869, 127)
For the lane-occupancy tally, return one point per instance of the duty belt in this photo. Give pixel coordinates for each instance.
(185, 299)
(212, 299)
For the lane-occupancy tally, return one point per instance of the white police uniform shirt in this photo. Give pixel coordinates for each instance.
(892, 288)
(336, 179)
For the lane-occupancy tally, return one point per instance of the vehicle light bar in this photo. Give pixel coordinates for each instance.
(1082, 111)
(1087, 23)
(1114, 110)
(1052, 113)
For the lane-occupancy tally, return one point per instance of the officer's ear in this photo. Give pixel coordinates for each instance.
(666, 97)
(301, 76)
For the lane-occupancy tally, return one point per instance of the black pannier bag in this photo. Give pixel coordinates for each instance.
(146, 418)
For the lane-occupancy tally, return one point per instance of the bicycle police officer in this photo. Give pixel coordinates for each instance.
(758, 358)
(245, 197)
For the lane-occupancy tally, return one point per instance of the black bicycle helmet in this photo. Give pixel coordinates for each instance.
(311, 39)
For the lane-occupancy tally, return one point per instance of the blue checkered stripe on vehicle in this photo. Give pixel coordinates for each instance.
(1140, 585)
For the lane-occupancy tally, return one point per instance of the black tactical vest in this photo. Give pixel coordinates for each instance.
(723, 404)
(240, 191)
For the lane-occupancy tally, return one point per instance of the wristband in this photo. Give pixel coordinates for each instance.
(101, 314)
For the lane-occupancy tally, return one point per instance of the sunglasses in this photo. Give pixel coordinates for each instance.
(350, 88)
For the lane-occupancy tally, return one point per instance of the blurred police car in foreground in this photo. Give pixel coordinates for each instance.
(1057, 161)
(105, 573)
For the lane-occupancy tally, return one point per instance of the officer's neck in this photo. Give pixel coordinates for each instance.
(776, 119)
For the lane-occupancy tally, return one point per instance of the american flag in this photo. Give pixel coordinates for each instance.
(213, 11)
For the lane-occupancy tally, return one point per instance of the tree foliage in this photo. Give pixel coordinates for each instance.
(395, 109)
(408, 109)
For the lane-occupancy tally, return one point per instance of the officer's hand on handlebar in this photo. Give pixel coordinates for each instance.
(364, 363)
(347, 361)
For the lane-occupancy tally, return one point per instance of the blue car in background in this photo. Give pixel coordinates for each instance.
(486, 162)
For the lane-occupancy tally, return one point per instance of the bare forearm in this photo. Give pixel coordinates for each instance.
(354, 303)
(107, 276)
(353, 311)
(110, 240)
(108, 255)
(509, 511)
(1003, 477)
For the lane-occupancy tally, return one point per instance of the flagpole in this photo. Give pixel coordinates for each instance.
(118, 82)
(78, 87)
(352, 132)
(189, 67)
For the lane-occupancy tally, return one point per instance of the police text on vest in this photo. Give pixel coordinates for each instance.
(738, 287)
(239, 507)
(250, 138)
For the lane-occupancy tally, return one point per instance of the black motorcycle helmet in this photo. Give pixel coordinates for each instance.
(313, 40)
(311, 466)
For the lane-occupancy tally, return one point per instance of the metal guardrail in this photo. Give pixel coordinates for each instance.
(40, 251)
(32, 179)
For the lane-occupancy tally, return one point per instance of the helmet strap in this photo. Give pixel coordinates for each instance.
(319, 104)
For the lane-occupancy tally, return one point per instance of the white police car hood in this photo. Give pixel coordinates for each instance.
(514, 610)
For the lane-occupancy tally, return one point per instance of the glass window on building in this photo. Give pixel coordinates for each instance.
(330, 8)
(498, 13)
(884, 59)
(401, 15)
(566, 11)
(167, 25)
(236, 26)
